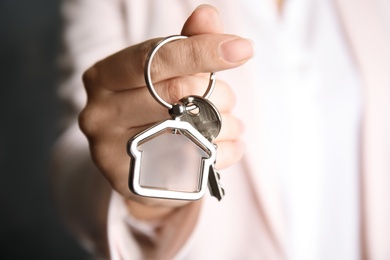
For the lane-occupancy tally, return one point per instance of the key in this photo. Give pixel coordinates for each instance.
(205, 117)
(215, 188)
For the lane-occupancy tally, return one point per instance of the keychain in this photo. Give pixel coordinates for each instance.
(195, 122)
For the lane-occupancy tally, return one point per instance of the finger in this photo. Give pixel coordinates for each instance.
(138, 108)
(173, 90)
(201, 53)
(229, 153)
(232, 128)
(204, 20)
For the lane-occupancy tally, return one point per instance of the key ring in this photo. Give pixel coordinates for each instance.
(148, 78)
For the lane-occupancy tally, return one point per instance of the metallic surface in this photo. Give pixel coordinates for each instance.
(205, 117)
(215, 188)
(148, 79)
(193, 135)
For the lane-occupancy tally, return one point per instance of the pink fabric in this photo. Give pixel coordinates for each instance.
(261, 213)
(370, 41)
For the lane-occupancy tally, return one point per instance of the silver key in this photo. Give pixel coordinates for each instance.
(214, 185)
(206, 118)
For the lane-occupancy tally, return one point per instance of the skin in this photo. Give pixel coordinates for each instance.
(120, 106)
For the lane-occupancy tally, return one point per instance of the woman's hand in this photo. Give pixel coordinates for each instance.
(120, 106)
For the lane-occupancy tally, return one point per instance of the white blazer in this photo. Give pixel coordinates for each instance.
(83, 194)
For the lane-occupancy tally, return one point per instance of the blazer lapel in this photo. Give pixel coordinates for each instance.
(369, 38)
(265, 185)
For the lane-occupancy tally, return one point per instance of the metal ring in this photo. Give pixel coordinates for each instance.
(148, 79)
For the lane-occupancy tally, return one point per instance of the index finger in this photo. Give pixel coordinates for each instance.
(201, 53)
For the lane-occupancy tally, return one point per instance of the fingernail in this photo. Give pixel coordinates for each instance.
(236, 50)
(206, 6)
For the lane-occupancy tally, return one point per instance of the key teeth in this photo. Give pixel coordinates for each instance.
(220, 193)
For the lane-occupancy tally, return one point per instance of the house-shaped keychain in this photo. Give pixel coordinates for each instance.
(172, 150)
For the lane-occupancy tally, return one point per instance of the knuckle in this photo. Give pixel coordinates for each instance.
(84, 122)
(89, 121)
(143, 50)
(170, 90)
(90, 77)
(195, 54)
(174, 90)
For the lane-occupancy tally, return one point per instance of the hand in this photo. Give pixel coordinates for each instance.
(120, 106)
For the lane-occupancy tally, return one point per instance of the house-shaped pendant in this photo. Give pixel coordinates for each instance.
(175, 146)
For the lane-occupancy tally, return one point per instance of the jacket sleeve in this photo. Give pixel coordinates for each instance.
(94, 29)
(91, 31)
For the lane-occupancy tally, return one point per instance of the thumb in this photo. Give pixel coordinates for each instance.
(204, 20)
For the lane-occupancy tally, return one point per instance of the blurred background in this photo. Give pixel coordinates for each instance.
(30, 112)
